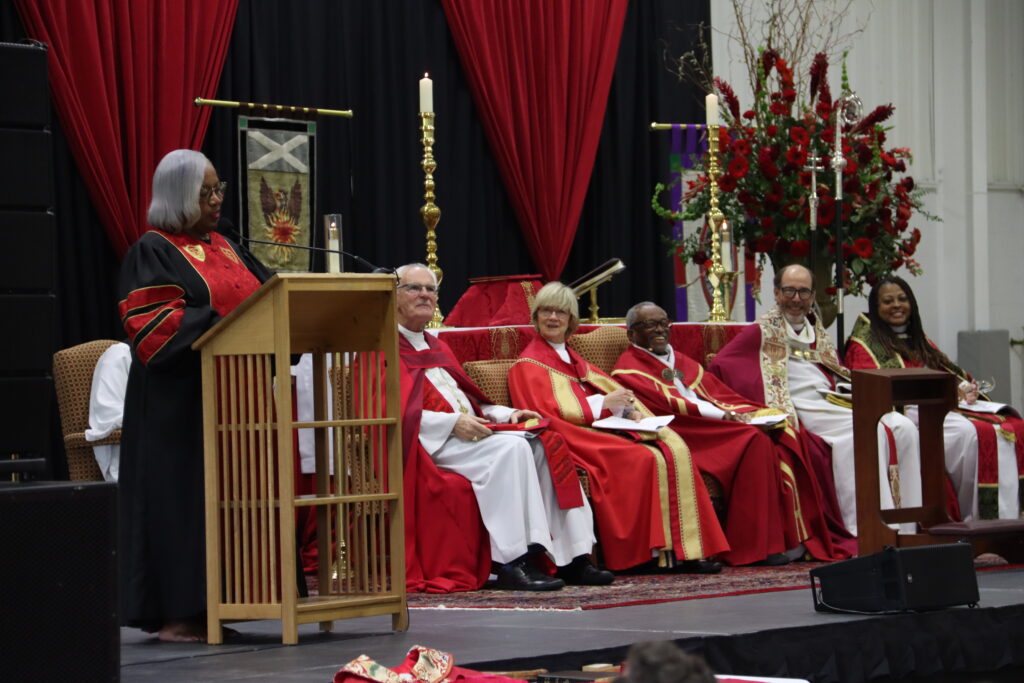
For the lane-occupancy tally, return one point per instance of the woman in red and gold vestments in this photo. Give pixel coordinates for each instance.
(648, 498)
(984, 450)
(177, 280)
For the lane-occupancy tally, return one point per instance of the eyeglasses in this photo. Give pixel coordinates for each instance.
(804, 293)
(416, 289)
(206, 191)
(550, 310)
(652, 325)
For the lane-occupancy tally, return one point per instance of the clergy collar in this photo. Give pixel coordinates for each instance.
(411, 335)
(560, 350)
(668, 358)
(803, 338)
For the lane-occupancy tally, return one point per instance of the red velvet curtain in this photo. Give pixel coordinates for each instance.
(540, 72)
(124, 74)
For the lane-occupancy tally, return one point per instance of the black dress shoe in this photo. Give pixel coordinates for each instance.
(773, 560)
(582, 572)
(697, 567)
(520, 576)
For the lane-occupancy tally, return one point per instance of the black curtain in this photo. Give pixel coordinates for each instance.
(368, 57)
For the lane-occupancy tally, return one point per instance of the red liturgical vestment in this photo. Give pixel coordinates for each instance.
(645, 489)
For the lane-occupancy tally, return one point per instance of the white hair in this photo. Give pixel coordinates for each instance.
(631, 314)
(400, 271)
(176, 183)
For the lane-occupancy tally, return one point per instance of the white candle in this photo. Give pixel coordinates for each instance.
(711, 105)
(426, 94)
(333, 257)
(726, 248)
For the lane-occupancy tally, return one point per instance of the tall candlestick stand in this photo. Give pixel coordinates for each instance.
(430, 212)
(715, 217)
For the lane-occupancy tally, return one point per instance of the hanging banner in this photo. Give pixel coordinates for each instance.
(278, 163)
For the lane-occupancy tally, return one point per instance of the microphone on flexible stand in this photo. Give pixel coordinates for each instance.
(355, 257)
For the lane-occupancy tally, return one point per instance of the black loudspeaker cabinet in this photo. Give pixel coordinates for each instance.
(26, 169)
(33, 316)
(26, 404)
(911, 579)
(58, 581)
(27, 260)
(26, 100)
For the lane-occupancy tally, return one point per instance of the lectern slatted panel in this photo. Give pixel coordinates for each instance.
(247, 466)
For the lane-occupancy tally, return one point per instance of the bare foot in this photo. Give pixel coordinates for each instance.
(182, 631)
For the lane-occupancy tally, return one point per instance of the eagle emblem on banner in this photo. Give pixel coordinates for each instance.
(282, 213)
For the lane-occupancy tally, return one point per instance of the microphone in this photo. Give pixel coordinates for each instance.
(355, 257)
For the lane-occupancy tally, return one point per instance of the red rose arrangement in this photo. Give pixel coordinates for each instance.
(764, 191)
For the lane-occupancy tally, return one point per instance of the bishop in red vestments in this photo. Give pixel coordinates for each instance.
(774, 501)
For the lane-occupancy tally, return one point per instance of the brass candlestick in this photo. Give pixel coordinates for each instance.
(715, 217)
(430, 212)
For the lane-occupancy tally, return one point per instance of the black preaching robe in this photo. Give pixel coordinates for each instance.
(173, 288)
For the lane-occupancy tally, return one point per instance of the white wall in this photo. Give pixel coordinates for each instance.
(954, 69)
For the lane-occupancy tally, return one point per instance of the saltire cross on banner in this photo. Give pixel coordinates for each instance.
(278, 162)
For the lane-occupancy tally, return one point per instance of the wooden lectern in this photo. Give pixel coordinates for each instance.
(875, 393)
(346, 322)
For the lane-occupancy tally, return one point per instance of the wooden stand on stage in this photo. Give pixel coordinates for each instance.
(875, 393)
(348, 323)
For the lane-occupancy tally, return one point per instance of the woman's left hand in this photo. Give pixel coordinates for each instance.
(968, 392)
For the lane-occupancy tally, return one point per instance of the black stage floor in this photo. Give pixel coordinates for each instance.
(767, 634)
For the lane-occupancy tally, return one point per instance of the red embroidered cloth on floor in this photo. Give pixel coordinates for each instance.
(696, 340)
(500, 300)
(421, 665)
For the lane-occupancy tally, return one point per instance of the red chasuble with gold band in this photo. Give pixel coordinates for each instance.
(645, 489)
(173, 289)
(773, 497)
(447, 547)
(864, 352)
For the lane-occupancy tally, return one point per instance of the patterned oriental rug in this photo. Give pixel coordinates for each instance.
(637, 589)
(631, 589)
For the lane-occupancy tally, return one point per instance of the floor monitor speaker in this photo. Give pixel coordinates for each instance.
(898, 580)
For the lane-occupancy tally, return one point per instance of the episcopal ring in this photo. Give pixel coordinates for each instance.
(475, 438)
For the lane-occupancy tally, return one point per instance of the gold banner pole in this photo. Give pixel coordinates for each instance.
(273, 108)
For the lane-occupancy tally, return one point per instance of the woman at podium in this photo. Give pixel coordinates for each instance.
(982, 442)
(177, 281)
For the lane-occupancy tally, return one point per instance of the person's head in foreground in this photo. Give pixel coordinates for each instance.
(663, 662)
